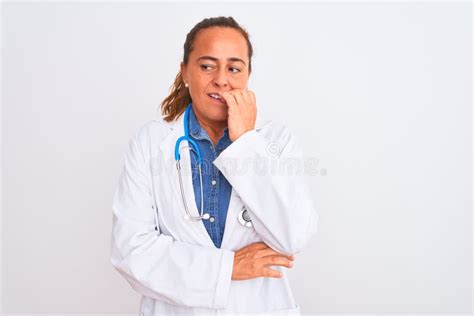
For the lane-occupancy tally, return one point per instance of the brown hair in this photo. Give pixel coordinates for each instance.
(175, 103)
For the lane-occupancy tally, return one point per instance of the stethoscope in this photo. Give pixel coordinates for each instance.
(243, 216)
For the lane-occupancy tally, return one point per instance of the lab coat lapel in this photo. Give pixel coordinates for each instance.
(232, 224)
(167, 148)
(231, 220)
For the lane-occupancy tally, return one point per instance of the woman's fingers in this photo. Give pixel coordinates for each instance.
(270, 252)
(277, 261)
(242, 112)
(258, 245)
(255, 260)
(239, 99)
(252, 97)
(229, 98)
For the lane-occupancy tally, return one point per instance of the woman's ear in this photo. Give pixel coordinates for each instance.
(183, 71)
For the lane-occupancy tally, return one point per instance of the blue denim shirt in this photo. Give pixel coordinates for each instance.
(216, 188)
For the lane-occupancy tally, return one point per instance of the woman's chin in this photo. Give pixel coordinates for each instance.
(218, 113)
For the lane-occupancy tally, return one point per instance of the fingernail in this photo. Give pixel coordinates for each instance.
(290, 264)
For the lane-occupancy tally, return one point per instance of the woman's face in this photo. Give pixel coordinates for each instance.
(219, 62)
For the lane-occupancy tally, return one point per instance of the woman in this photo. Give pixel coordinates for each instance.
(215, 241)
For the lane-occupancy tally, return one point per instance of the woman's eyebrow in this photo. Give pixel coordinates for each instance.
(217, 59)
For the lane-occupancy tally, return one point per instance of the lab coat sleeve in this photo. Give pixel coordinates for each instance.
(153, 263)
(268, 173)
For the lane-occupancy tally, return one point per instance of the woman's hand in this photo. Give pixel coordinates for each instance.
(242, 111)
(253, 260)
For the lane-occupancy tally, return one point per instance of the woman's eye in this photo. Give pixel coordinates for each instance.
(208, 67)
(204, 66)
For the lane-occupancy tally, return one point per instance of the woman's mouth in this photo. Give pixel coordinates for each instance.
(216, 98)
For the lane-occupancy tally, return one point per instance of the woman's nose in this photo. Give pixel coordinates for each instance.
(221, 79)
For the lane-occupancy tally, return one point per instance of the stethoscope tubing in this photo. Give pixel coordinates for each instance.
(243, 216)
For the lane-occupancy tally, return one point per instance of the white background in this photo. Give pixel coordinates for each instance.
(379, 92)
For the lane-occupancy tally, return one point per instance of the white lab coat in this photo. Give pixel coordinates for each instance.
(176, 267)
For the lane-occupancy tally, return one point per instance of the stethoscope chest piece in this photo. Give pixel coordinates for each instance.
(244, 218)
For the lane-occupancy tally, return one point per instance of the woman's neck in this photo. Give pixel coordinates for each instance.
(215, 130)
